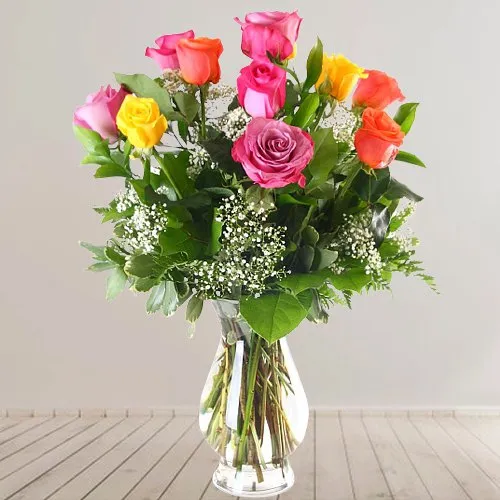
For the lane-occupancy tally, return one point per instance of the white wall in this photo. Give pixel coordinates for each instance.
(62, 345)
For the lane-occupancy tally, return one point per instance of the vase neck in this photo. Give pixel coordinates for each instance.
(233, 325)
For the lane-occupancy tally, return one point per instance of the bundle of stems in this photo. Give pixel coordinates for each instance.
(265, 383)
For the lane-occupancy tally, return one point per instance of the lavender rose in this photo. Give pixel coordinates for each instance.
(274, 154)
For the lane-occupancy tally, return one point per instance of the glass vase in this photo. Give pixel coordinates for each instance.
(253, 411)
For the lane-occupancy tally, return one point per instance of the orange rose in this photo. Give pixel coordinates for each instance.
(199, 60)
(377, 91)
(377, 141)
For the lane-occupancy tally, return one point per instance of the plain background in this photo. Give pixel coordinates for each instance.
(63, 346)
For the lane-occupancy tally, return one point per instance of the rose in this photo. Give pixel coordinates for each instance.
(273, 32)
(199, 60)
(377, 91)
(166, 55)
(273, 153)
(262, 89)
(99, 112)
(140, 120)
(377, 141)
(339, 76)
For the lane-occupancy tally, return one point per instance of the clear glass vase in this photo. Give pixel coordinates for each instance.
(254, 410)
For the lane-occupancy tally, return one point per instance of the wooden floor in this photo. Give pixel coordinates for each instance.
(345, 457)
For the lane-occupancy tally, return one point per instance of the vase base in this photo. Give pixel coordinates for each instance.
(245, 483)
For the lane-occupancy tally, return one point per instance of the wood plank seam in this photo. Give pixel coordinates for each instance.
(349, 468)
(441, 460)
(477, 437)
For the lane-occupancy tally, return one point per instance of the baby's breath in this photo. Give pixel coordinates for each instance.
(142, 229)
(343, 122)
(251, 253)
(234, 123)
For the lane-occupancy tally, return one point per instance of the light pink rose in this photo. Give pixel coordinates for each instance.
(273, 32)
(262, 89)
(273, 153)
(166, 55)
(99, 112)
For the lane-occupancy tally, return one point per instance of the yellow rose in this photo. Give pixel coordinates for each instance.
(339, 76)
(140, 120)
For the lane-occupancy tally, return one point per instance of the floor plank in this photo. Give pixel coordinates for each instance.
(158, 479)
(477, 485)
(7, 423)
(61, 432)
(368, 480)
(482, 456)
(192, 479)
(126, 477)
(333, 479)
(84, 430)
(58, 475)
(438, 479)
(403, 479)
(303, 465)
(486, 429)
(83, 484)
(23, 426)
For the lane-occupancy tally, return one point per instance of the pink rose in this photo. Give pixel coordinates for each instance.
(99, 112)
(274, 154)
(262, 89)
(166, 55)
(273, 32)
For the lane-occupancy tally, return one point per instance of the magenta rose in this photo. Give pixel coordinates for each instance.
(166, 55)
(273, 32)
(99, 112)
(274, 154)
(262, 89)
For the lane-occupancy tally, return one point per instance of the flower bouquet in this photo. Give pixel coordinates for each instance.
(274, 199)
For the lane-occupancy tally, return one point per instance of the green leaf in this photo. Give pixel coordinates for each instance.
(371, 187)
(143, 86)
(142, 266)
(219, 150)
(112, 170)
(310, 236)
(114, 256)
(354, 279)
(297, 283)
(216, 232)
(306, 256)
(175, 168)
(170, 299)
(155, 300)
(92, 159)
(194, 308)
(173, 241)
(144, 284)
(115, 283)
(99, 267)
(314, 65)
(288, 199)
(381, 218)
(307, 111)
(187, 105)
(90, 140)
(410, 158)
(324, 258)
(273, 316)
(398, 190)
(405, 116)
(325, 157)
(97, 251)
(260, 197)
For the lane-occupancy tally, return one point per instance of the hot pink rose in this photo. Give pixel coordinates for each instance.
(274, 154)
(273, 32)
(99, 112)
(166, 55)
(262, 89)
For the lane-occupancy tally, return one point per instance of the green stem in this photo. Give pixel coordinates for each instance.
(203, 111)
(252, 376)
(165, 170)
(147, 169)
